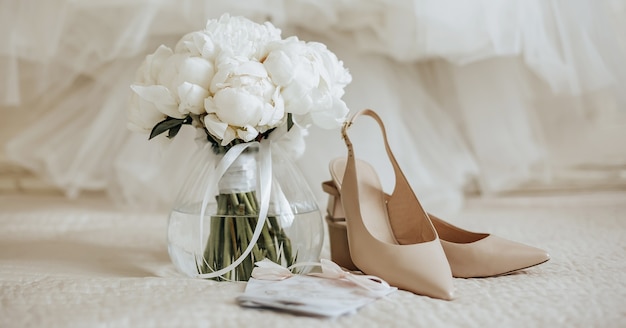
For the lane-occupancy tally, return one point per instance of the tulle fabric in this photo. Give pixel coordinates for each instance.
(484, 95)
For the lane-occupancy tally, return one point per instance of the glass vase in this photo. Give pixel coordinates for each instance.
(212, 243)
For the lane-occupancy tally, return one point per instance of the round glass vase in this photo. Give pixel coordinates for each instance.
(205, 245)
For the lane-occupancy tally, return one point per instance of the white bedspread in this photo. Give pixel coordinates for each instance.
(88, 264)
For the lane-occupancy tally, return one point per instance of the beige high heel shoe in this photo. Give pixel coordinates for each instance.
(412, 258)
(470, 254)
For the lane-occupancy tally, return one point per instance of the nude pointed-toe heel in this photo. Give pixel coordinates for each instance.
(469, 254)
(412, 258)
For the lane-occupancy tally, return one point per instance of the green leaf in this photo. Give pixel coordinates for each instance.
(289, 121)
(169, 124)
(174, 131)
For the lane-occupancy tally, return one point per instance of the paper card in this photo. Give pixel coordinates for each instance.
(309, 295)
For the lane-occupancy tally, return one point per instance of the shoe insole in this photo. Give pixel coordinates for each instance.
(371, 199)
(409, 224)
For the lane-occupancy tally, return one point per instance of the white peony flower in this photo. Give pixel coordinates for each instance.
(245, 101)
(292, 66)
(239, 36)
(172, 84)
(312, 81)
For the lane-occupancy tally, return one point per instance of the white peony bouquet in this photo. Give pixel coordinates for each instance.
(239, 82)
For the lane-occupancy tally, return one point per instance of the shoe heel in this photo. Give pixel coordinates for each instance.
(337, 228)
(339, 249)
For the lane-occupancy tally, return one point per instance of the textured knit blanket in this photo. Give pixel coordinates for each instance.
(87, 263)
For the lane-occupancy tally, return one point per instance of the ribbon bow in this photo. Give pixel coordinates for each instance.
(268, 270)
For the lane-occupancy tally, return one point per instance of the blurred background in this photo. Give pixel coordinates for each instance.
(480, 98)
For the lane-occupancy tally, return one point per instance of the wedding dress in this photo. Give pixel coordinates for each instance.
(487, 96)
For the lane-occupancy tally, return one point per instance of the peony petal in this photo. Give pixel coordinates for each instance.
(248, 133)
(155, 62)
(191, 43)
(237, 107)
(209, 49)
(168, 74)
(219, 79)
(209, 105)
(297, 99)
(142, 115)
(251, 68)
(195, 70)
(279, 67)
(216, 127)
(273, 115)
(332, 117)
(229, 136)
(161, 98)
(192, 98)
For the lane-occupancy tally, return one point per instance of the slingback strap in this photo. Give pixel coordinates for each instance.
(402, 203)
(368, 112)
(372, 114)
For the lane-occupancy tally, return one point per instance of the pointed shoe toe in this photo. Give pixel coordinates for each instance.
(419, 268)
(476, 255)
(491, 256)
(513, 256)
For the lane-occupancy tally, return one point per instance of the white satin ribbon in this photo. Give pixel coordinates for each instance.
(240, 176)
(265, 179)
(268, 270)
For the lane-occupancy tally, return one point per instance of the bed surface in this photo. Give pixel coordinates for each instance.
(87, 263)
